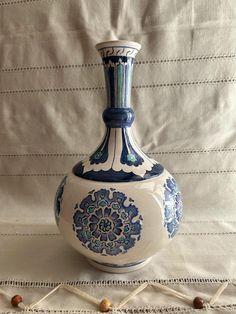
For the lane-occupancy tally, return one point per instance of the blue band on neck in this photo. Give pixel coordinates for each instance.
(118, 117)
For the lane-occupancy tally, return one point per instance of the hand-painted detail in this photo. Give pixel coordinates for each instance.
(129, 156)
(118, 51)
(116, 176)
(172, 207)
(118, 159)
(101, 154)
(58, 199)
(105, 224)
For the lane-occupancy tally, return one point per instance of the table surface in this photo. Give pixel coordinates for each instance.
(198, 260)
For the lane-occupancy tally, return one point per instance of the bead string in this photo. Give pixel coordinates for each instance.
(82, 294)
(21, 305)
(218, 293)
(177, 294)
(5, 293)
(132, 294)
(105, 304)
(31, 306)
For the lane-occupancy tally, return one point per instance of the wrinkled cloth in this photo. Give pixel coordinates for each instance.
(50, 115)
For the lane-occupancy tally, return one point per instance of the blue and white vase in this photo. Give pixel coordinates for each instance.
(118, 207)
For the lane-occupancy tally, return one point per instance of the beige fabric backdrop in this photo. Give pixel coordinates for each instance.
(184, 97)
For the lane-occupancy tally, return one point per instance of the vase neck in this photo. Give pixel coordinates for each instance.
(118, 76)
(118, 60)
(118, 158)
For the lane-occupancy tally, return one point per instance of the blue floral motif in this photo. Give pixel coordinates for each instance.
(101, 154)
(105, 225)
(129, 156)
(58, 199)
(172, 207)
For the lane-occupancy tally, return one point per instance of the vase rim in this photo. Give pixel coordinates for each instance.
(118, 43)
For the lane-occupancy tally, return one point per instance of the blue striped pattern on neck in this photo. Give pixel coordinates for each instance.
(118, 74)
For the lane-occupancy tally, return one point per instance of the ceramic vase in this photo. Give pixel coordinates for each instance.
(118, 207)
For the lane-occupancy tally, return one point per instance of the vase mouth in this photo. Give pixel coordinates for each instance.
(118, 48)
(118, 43)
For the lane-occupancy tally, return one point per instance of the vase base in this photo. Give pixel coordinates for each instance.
(119, 269)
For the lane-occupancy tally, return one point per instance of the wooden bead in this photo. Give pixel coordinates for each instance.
(16, 300)
(198, 303)
(105, 305)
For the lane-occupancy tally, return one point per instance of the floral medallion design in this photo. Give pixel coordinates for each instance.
(58, 199)
(107, 222)
(172, 207)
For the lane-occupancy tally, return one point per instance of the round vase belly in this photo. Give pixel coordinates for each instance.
(118, 207)
(118, 226)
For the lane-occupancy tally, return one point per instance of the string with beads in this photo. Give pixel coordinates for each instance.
(106, 305)
(16, 300)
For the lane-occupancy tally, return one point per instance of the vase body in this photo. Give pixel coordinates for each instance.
(118, 207)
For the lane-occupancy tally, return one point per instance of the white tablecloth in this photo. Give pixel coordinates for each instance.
(184, 97)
